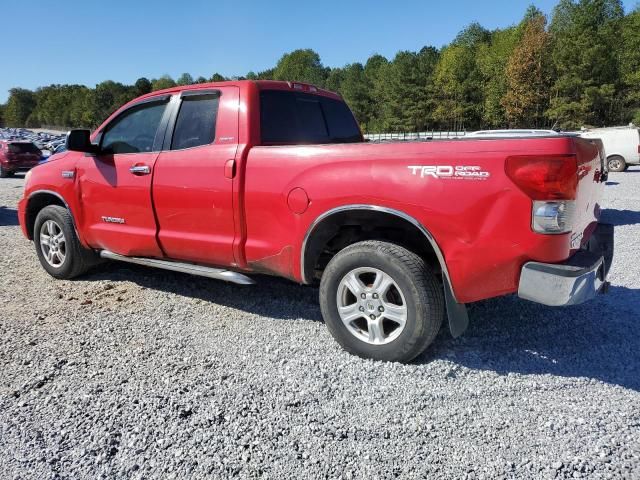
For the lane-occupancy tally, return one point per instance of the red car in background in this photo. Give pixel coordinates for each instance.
(17, 156)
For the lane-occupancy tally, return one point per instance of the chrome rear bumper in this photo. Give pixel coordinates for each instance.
(575, 281)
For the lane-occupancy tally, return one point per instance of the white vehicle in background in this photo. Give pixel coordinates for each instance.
(621, 145)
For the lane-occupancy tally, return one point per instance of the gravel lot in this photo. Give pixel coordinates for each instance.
(135, 373)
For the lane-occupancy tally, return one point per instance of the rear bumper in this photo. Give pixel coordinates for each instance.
(18, 166)
(575, 281)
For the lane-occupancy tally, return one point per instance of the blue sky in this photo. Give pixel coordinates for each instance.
(87, 42)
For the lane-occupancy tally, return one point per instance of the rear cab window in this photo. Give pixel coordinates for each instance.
(296, 118)
(23, 147)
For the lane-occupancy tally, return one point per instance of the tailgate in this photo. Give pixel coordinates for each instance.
(591, 176)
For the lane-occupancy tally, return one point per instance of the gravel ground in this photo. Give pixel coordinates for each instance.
(136, 373)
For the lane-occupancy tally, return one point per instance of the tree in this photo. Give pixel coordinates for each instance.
(201, 79)
(491, 59)
(163, 82)
(301, 66)
(527, 77)
(373, 73)
(142, 86)
(216, 77)
(185, 79)
(405, 87)
(585, 38)
(19, 107)
(630, 67)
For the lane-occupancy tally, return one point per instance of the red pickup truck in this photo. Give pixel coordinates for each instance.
(227, 179)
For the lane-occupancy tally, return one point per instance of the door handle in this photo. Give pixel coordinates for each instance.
(230, 168)
(140, 170)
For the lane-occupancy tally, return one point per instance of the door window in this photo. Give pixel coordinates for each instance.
(196, 122)
(134, 131)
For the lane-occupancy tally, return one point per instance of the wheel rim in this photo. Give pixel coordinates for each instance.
(371, 305)
(614, 164)
(53, 243)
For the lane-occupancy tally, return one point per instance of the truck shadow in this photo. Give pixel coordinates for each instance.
(598, 340)
(8, 217)
(621, 217)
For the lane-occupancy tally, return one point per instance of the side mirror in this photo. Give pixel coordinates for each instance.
(79, 140)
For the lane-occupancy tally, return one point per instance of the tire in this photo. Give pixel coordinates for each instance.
(70, 258)
(5, 173)
(414, 290)
(616, 164)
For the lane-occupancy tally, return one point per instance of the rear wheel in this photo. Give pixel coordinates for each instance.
(4, 173)
(617, 164)
(381, 301)
(57, 245)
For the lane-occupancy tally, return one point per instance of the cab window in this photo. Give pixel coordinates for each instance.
(196, 122)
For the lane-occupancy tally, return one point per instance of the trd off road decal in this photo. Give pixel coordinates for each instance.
(453, 172)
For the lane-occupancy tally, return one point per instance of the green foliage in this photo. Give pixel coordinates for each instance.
(185, 79)
(404, 91)
(301, 66)
(584, 54)
(163, 82)
(583, 69)
(19, 107)
(527, 76)
(216, 77)
(492, 58)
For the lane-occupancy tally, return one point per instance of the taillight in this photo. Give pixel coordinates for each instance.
(544, 177)
(551, 181)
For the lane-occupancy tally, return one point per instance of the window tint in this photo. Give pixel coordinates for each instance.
(135, 130)
(23, 148)
(341, 122)
(196, 123)
(300, 118)
(311, 119)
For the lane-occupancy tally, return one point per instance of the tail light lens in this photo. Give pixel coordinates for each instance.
(544, 177)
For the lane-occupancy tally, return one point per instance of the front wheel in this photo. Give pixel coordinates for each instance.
(381, 301)
(57, 245)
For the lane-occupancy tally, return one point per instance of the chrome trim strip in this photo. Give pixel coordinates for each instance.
(190, 268)
(376, 208)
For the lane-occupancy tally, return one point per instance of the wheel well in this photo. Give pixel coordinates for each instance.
(615, 155)
(36, 203)
(344, 228)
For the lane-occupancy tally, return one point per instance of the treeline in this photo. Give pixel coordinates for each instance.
(579, 68)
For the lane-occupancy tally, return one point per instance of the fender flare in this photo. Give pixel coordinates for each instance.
(456, 312)
(61, 198)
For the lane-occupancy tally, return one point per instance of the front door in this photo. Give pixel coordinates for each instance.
(193, 178)
(115, 184)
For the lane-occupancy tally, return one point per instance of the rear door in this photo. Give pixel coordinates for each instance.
(193, 179)
(115, 184)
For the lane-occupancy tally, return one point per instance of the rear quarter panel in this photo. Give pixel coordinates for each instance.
(483, 226)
